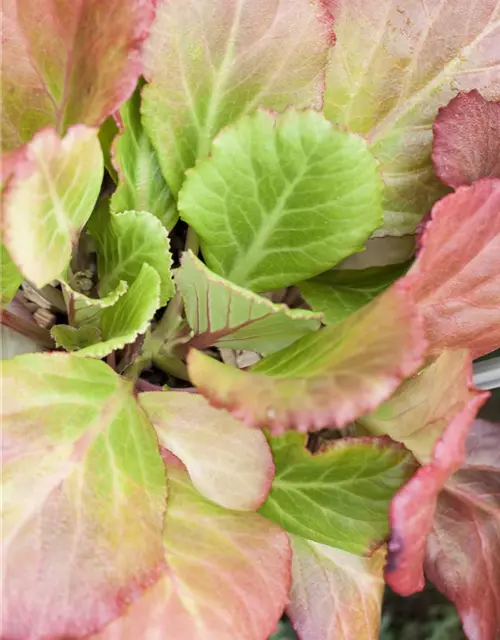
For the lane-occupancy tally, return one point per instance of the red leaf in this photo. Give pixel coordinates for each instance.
(467, 140)
(458, 270)
(419, 418)
(68, 62)
(463, 550)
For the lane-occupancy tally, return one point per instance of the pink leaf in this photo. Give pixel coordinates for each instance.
(68, 62)
(228, 462)
(335, 595)
(83, 497)
(228, 575)
(432, 416)
(463, 550)
(326, 379)
(457, 273)
(467, 140)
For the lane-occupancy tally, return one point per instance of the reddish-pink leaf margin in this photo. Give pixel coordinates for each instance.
(358, 377)
(463, 549)
(456, 277)
(467, 140)
(413, 507)
(63, 65)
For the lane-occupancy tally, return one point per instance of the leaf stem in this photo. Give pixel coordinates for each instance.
(192, 241)
(28, 329)
(172, 366)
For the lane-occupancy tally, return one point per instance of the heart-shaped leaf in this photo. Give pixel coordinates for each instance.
(83, 497)
(282, 198)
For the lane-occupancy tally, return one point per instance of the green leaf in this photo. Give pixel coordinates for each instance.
(125, 241)
(129, 317)
(393, 65)
(339, 497)
(327, 378)
(210, 61)
(334, 590)
(224, 315)
(10, 278)
(49, 198)
(83, 310)
(107, 133)
(337, 294)
(83, 497)
(74, 338)
(142, 186)
(282, 198)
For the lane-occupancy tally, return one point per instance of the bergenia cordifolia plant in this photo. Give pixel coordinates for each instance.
(251, 248)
